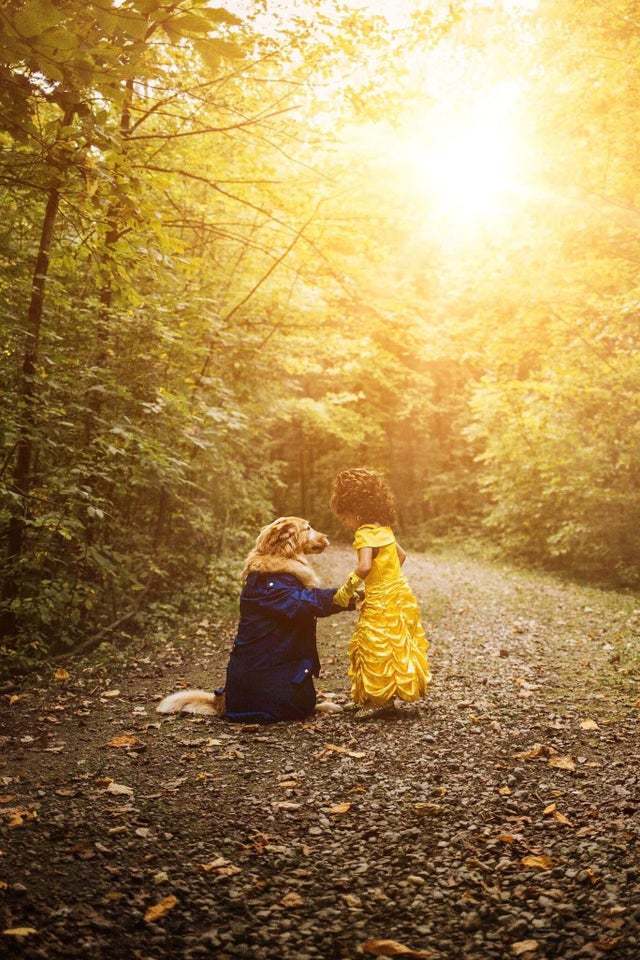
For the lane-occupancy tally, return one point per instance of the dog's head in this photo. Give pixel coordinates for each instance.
(289, 537)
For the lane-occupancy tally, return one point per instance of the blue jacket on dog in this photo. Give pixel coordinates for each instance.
(274, 656)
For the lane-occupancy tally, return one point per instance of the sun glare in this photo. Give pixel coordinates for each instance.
(465, 160)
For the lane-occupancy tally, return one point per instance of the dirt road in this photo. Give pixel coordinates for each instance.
(500, 819)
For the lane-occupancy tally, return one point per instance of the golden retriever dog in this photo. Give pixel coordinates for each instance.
(282, 547)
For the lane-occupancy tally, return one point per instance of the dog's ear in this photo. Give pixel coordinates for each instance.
(288, 538)
(263, 540)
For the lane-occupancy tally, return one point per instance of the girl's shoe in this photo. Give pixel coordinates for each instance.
(370, 713)
(364, 713)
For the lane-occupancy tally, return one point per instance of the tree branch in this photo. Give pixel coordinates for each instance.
(194, 133)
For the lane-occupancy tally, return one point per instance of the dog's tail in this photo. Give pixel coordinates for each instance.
(191, 701)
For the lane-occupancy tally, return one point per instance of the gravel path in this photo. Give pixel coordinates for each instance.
(499, 819)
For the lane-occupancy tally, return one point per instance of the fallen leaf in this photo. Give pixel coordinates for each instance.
(214, 864)
(506, 837)
(539, 861)
(330, 748)
(125, 740)
(143, 832)
(548, 810)
(229, 871)
(83, 851)
(340, 808)
(589, 725)
(606, 944)
(537, 750)
(61, 674)
(110, 693)
(173, 784)
(158, 910)
(352, 900)
(585, 832)
(286, 805)
(562, 762)
(391, 948)
(18, 816)
(424, 807)
(19, 931)
(560, 818)
(119, 789)
(292, 900)
(288, 784)
(504, 791)
(593, 875)
(221, 867)
(524, 946)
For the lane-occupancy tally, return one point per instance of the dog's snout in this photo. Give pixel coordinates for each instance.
(316, 542)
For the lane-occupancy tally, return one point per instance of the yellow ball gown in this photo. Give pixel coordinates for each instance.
(388, 650)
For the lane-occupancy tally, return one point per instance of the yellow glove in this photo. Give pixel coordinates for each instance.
(342, 596)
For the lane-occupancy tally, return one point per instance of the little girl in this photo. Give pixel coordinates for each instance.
(388, 650)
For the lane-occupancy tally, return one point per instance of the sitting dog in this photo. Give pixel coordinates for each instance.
(282, 549)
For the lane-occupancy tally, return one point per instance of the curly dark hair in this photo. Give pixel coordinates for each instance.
(364, 495)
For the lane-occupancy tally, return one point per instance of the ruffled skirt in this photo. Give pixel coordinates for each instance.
(388, 650)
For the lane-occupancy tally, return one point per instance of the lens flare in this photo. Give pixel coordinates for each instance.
(466, 162)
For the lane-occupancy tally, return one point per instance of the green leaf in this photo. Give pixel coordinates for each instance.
(188, 24)
(137, 27)
(220, 15)
(60, 40)
(212, 50)
(208, 53)
(36, 17)
(147, 6)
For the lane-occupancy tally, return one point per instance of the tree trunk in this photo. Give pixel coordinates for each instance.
(22, 475)
(302, 472)
(106, 290)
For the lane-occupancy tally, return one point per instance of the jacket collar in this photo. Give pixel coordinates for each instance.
(299, 567)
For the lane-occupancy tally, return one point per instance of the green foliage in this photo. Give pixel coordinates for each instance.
(238, 297)
(143, 388)
(561, 452)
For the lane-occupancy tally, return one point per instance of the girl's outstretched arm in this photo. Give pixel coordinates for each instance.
(401, 554)
(354, 581)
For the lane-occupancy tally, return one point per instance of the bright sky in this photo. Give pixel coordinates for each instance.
(460, 148)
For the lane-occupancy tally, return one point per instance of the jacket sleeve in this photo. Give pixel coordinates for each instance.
(290, 602)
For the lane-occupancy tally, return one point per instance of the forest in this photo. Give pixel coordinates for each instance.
(245, 246)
